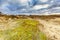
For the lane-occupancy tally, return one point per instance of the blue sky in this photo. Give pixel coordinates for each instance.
(29, 6)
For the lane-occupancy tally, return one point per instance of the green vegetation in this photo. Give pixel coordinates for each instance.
(25, 30)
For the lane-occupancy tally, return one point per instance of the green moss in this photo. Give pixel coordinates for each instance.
(25, 30)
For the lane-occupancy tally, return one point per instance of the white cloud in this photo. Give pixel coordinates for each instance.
(40, 6)
(56, 8)
(43, 0)
(23, 1)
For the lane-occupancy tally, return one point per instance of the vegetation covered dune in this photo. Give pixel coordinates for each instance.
(16, 28)
(29, 27)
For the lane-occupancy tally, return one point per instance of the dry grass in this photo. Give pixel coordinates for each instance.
(50, 25)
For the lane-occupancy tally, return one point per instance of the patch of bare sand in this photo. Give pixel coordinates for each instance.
(51, 28)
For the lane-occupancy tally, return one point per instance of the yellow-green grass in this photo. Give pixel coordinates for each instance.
(27, 29)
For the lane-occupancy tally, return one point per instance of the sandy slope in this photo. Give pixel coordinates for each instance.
(50, 25)
(51, 28)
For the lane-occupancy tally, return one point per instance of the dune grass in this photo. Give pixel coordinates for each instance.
(26, 29)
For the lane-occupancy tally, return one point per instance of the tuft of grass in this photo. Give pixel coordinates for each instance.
(25, 30)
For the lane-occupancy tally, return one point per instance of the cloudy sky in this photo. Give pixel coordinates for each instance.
(29, 6)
